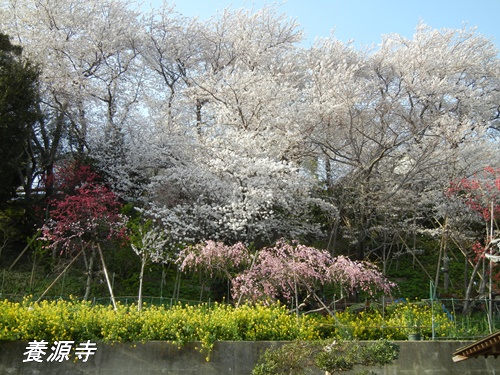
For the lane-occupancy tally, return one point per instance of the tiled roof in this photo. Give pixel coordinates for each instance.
(490, 345)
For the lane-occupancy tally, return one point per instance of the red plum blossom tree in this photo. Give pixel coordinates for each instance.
(481, 194)
(85, 215)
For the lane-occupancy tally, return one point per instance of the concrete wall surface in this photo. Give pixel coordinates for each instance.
(227, 358)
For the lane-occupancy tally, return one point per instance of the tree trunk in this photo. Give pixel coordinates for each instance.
(90, 271)
(106, 276)
(199, 118)
(468, 293)
(141, 277)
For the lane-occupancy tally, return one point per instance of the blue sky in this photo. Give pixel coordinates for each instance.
(365, 21)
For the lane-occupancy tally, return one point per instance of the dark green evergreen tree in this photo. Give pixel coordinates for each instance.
(18, 112)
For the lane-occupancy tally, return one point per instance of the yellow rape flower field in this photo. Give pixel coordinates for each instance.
(80, 320)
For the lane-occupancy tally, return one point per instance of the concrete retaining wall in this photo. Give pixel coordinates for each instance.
(227, 358)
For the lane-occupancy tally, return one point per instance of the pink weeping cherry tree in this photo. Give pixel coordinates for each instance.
(286, 271)
(216, 259)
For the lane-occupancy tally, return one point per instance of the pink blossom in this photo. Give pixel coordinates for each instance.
(283, 271)
(279, 270)
(215, 257)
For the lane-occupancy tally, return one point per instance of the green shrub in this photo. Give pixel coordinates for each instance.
(333, 356)
(290, 359)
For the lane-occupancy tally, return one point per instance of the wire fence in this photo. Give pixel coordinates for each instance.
(467, 319)
(451, 306)
(123, 300)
